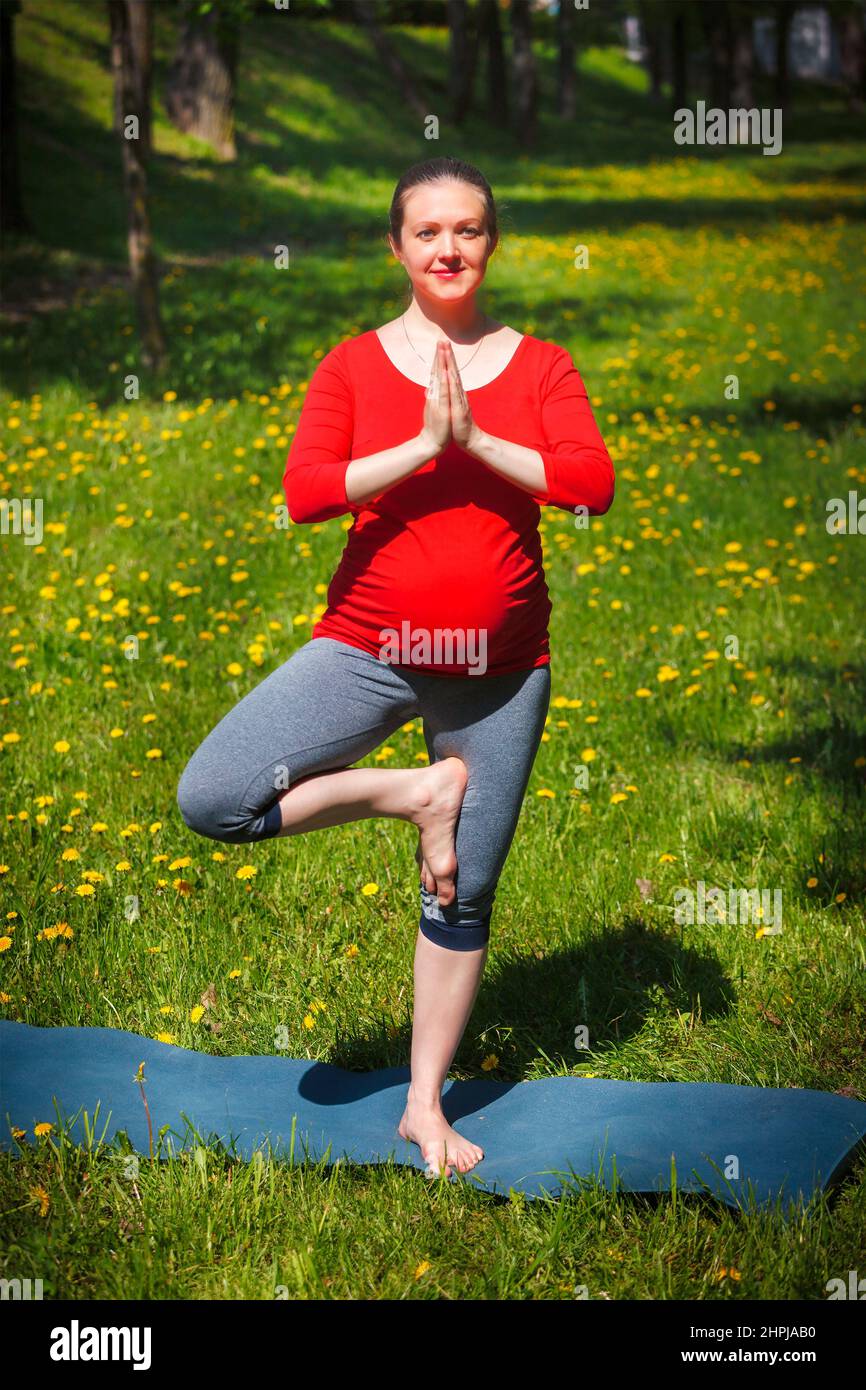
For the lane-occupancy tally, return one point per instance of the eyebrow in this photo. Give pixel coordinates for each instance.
(425, 220)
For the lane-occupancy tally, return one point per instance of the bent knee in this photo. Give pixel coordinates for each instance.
(206, 812)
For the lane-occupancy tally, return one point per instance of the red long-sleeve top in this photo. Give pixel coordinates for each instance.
(455, 546)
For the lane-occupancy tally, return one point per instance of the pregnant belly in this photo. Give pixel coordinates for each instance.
(441, 599)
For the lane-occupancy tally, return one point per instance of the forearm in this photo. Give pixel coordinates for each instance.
(367, 477)
(522, 466)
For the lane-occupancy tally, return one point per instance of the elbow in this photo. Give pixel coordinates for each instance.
(300, 513)
(607, 493)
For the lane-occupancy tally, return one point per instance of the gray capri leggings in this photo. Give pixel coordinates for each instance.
(330, 705)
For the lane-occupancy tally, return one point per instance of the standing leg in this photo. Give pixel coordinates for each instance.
(494, 725)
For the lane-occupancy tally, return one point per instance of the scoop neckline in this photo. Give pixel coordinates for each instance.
(468, 389)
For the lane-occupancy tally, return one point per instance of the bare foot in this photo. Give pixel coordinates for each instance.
(442, 1148)
(441, 788)
(426, 877)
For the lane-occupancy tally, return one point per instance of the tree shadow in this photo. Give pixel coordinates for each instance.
(612, 985)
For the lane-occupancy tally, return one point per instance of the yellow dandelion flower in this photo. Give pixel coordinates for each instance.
(811, 883)
(196, 1013)
(545, 791)
(617, 797)
(41, 1196)
(44, 1128)
(246, 871)
(369, 889)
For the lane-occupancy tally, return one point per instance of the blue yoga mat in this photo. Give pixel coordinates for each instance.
(538, 1136)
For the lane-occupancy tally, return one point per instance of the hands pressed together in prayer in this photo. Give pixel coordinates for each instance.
(447, 413)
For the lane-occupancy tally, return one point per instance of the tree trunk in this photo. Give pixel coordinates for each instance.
(716, 19)
(566, 85)
(407, 85)
(200, 86)
(141, 39)
(13, 218)
(525, 78)
(497, 81)
(463, 59)
(852, 57)
(651, 23)
(679, 59)
(742, 57)
(141, 259)
(784, 15)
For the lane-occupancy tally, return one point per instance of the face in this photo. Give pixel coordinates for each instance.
(445, 245)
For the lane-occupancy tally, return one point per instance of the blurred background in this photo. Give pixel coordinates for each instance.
(265, 123)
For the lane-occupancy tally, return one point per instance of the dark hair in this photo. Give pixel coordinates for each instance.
(437, 171)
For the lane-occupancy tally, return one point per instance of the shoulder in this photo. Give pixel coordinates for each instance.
(345, 359)
(552, 360)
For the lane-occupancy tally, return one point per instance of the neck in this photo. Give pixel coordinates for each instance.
(427, 319)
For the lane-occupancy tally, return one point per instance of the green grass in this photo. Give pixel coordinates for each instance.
(159, 522)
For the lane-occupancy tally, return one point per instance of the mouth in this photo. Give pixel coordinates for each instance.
(447, 274)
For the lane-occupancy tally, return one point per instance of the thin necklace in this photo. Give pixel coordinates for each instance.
(430, 364)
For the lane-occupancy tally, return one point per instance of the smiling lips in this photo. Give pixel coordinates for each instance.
(447, 274)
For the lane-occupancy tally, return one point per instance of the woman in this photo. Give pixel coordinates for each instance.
(438, 609)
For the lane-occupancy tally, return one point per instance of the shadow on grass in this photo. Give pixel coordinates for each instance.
(613, 985)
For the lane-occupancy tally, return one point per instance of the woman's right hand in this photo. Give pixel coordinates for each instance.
(437, 407)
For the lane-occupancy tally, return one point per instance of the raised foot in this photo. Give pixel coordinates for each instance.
(441, 788)
(442, 1148)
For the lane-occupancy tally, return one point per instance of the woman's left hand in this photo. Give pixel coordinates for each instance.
(464, 430)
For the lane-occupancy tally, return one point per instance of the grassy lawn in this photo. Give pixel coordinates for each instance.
(707, 659)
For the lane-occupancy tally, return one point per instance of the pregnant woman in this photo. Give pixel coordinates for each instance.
(441, 434)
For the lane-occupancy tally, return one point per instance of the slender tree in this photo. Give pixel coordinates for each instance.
(462, 59)
(716, 19)
(848, 22)
(783, 14)
(653, 17)
(490, 35)
(742, 54)
(524, 74)
(141, 41)
(13, 217)
(135, 103)
(679, 57)
(406, 83)
(566, 73)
